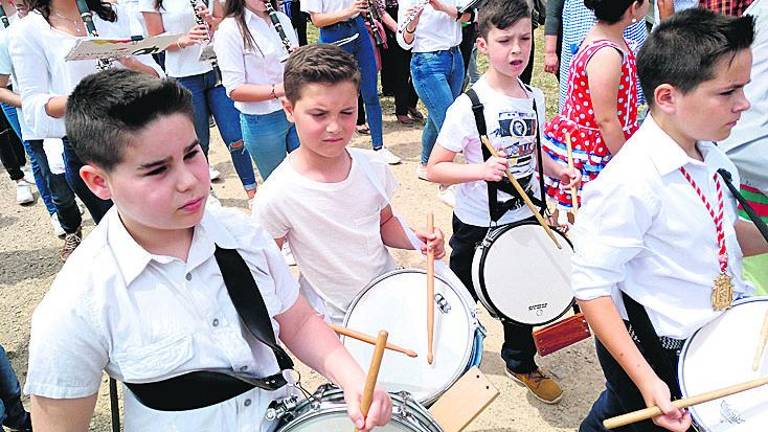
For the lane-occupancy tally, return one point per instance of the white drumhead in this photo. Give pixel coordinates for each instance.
(719, 355)
(397, 302)
(527, 278)
(339, 422)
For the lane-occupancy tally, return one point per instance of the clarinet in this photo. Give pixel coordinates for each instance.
(280, 30)
(87, 16)
(419, 6)
(372, 23)
(207, 49)
(4, 17)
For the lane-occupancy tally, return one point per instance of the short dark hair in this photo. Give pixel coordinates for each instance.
(107, 107)
(684, 50)
(501, 14)
(323, 64)
(610, 11)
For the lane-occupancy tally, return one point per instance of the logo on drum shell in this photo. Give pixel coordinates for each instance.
(730, 415)
(539, 308)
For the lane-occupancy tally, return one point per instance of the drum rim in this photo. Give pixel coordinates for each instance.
(684, 351)
(493, 234)
(474, 325)
(400, 398)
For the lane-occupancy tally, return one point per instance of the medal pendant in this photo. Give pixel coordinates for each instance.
(722, 292)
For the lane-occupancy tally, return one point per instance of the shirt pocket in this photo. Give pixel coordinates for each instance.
(155, 361)
(369, 228)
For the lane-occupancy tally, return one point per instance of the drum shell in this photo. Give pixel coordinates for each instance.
(565, 299)
(407, 414)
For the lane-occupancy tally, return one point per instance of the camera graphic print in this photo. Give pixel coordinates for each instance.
(516, 137)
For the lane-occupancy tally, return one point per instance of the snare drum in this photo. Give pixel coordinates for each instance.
(521, 276)
(720, 354)
(327, 412)
(397, 302)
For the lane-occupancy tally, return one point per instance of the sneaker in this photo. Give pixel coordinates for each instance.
(213, 173)
(71, 242)
(24, 193)
(57, 229)
(416, 114)
(421, 172)
(287, 254)
(542, 386)
(387, 156)
(447, 195)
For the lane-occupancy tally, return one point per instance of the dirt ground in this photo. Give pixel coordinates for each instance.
(29, 262)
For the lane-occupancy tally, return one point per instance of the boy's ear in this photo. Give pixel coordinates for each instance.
(288, 108)
(96, 180)
(666, 97)
(482, 45)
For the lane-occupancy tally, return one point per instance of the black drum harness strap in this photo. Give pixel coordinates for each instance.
(497, 208)
(199, 389)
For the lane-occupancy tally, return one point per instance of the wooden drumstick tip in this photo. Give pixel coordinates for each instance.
(762, 341)
(373, 373)
(430, 292)
(362, 337)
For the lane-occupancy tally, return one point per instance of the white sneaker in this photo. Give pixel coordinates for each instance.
(447, 195)
(421, 172)
(57, 229)
(28, 178)
(387, 156)
(287, 254)
(24, 193)
(213, 173)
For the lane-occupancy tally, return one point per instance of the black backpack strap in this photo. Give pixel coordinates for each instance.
(648, 339)
(539, 154)
(205, 388)
(761, 226)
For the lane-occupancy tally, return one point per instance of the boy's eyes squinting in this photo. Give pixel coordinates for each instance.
(191, 154)
(156, 171)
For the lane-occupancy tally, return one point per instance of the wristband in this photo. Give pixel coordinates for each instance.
(178, 44)
(274, 95)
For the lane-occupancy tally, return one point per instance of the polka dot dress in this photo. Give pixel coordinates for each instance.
(590, 154)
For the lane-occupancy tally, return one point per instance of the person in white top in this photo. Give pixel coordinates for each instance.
(39, 44)
(146, 297)
(339, 20)
(200, 76)
(658, 238)
(331, 203)
(251, 54)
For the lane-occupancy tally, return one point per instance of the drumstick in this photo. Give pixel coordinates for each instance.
(373, 373)
(761, 344)
(430, 290)
(524, 195)
(369, 339)
(574, 191)
(648, 413)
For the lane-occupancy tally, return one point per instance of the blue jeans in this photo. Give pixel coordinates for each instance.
(12, 413)
(96, 206)
(207, 99)
(438, 77)
(362, 49)
(13, 119)
(61, 194)
(268, 138)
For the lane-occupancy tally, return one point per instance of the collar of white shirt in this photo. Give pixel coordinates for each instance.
(132, 258)
(665, 153)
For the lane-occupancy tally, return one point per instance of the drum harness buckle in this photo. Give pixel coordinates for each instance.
(442, 303)
(401, 409)
(282, 407)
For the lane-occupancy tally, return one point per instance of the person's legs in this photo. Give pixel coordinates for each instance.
(12, 412)
(527, 74)
(266, 138)
(11, 151)
(227, 120)
(96, 206)
(196, 85)
(369, 90)
(61, 194)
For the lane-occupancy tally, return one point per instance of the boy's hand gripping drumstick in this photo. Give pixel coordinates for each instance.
(430, 290)
(574, 190)
(369, 339)
(373, 373)
(654, 411)
(524, 195)
(761, 344)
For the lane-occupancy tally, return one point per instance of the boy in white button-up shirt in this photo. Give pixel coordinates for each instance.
(143, 298)
(644, 229)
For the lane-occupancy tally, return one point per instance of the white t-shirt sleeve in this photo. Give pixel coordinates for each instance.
(266, 211)
(5, 57)
(459, 128)
(286, 286)
(228, 45)
(148, 6)
(66, 355)
(311, 6)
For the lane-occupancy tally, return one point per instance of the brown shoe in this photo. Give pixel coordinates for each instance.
(416, 114)
(71, 242)
(542, 386)
(404, 119)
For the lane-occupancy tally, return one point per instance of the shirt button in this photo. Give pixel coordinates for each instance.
(188, 276)
(215, 322)
(243, 368)
(247, 402)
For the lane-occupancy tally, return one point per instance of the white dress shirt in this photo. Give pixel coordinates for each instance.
(179, 18)
(437, 31)
(38, 52)
(748, 144)
(145, 318)
(260, 65)
(644, 230)
(6, 68)
(325, 6)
